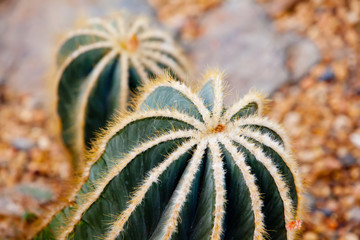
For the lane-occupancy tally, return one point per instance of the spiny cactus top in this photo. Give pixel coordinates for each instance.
(185, 167)
(100, 65)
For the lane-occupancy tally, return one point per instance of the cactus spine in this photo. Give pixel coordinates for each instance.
(100, 65)
(185, 167)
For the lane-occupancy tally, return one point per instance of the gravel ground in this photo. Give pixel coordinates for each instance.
(322, 115)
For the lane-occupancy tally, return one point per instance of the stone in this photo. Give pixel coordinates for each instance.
(302, 56)
(341, 123)
(351, 236)
(10, 207)
(307, 156)
(355, 139)
(328, 75)
(40, 193)
(43, 143)
(239, 38)
(310, 236)
(311, 201)
(354, 214)
(22, 144)
(348, 160)
(333, 164)
(292, 119)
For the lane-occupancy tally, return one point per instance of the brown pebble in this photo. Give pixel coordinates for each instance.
(310, 236)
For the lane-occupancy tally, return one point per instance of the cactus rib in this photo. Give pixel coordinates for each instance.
(219, 180)
(251, 182)
(138, 196)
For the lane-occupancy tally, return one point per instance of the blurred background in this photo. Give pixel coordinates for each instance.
(304, 53)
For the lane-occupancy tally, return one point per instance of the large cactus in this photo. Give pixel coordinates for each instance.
(98, 68)
(185, 167)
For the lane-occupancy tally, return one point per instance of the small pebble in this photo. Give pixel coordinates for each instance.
(351, 236)
(40, 192)
(355, 139)
(328, 75)
(43, 143)
(348, 161)
(354, 214)
(9, 207)
(310, 236)
(311, 201)
(327, 212)
(292, 119)
(22, 144)
(341, 123)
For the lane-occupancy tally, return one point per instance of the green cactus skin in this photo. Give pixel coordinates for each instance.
(98, 68)
(185, 167)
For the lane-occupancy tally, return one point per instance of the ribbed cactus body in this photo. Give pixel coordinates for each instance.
(185, 167)
(100, 66)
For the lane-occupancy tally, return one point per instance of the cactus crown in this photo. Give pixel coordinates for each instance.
(185, 167)
(100, 65)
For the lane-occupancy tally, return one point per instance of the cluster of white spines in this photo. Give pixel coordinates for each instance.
(140, 45)
(216, 129)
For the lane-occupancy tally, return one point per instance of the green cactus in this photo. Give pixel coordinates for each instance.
(185, 167)
(98, 68)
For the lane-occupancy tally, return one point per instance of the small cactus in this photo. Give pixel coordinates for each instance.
(98, 68)
(185, 167)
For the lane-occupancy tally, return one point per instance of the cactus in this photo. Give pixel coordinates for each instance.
(185, 167)
(98, 68)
